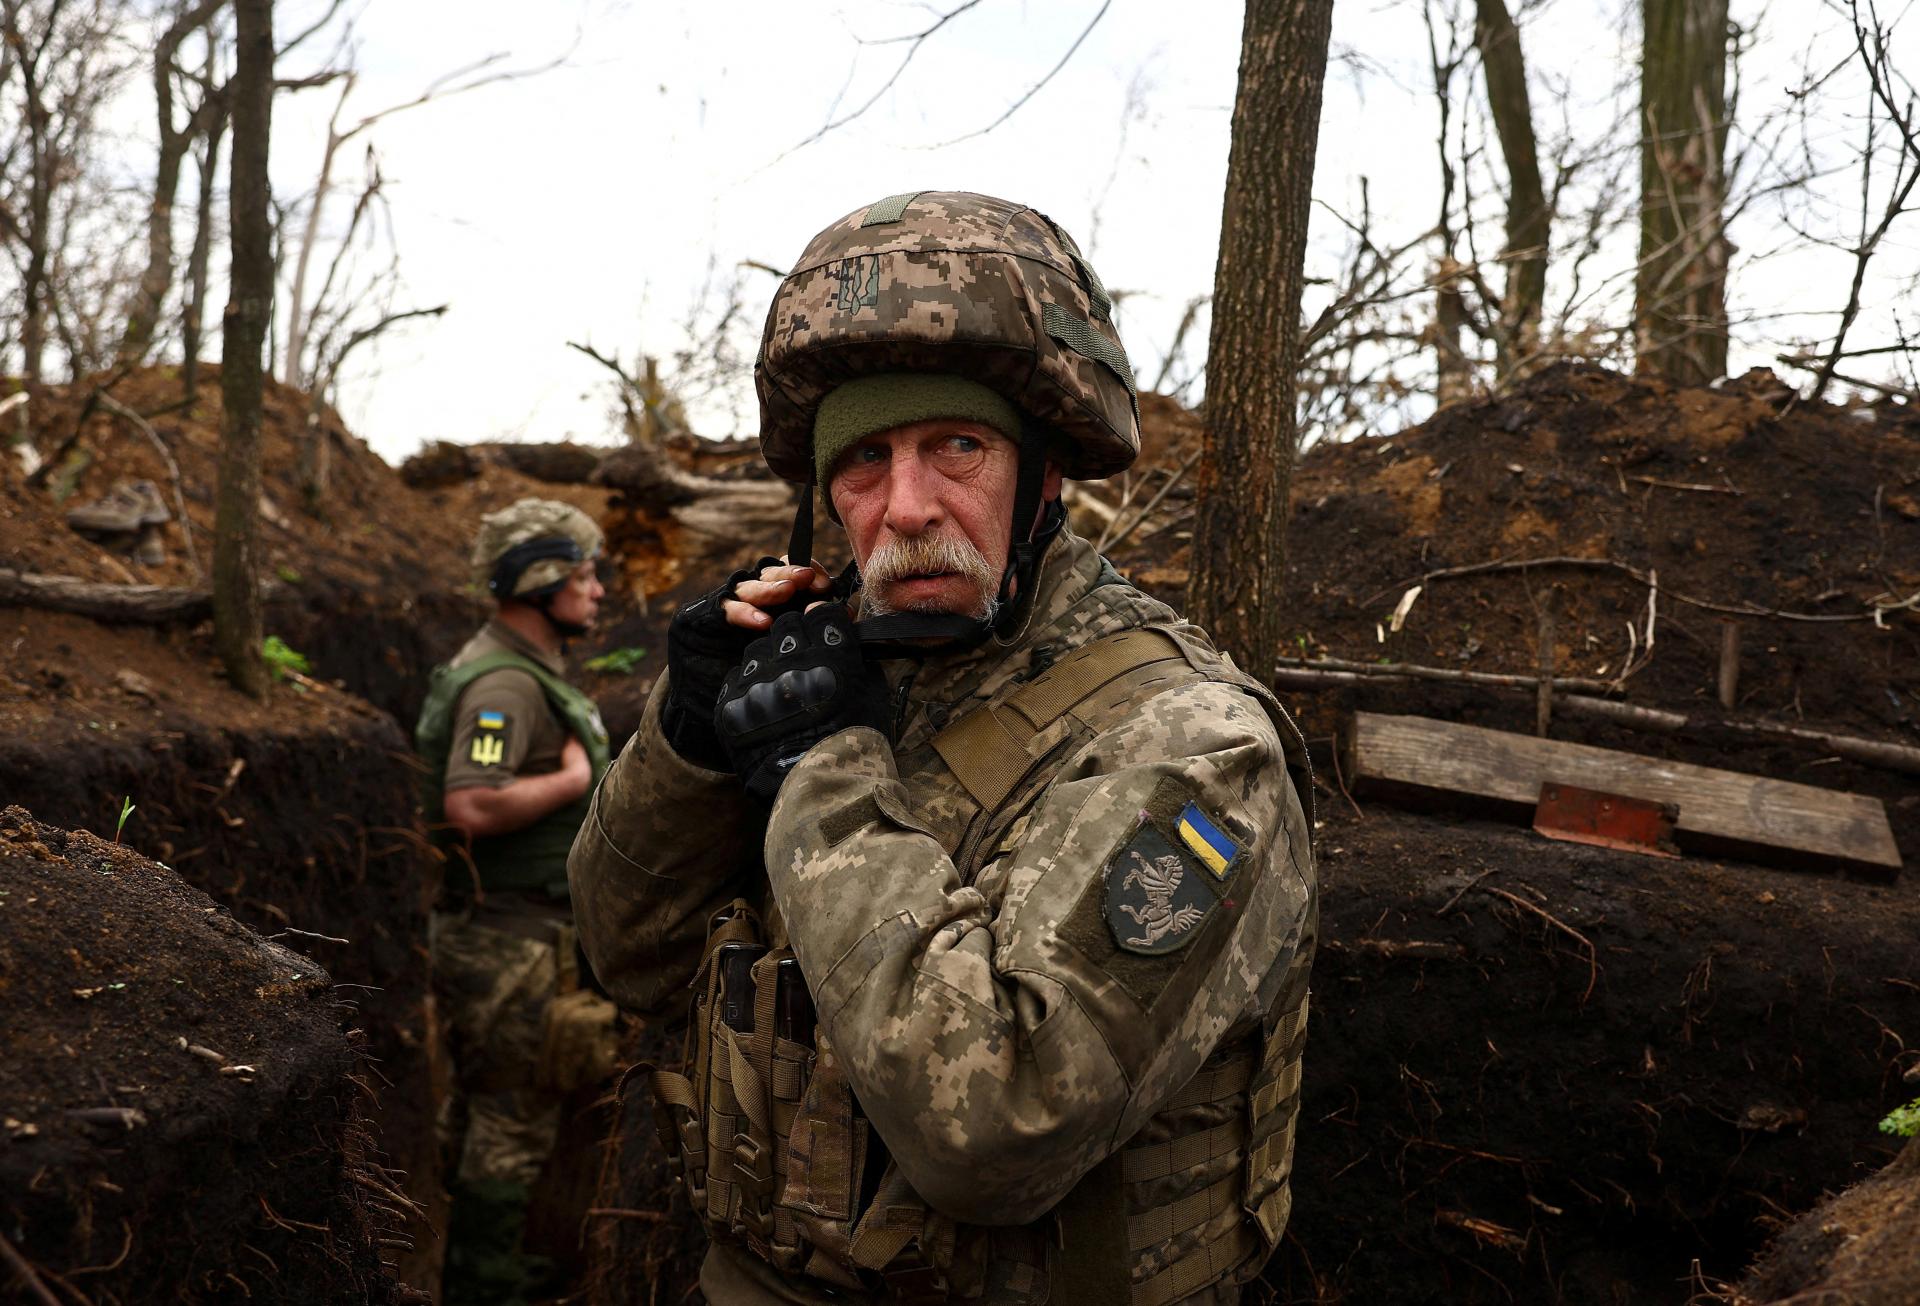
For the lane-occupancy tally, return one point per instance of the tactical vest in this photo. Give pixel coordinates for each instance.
(778, 1157)
(534, 858)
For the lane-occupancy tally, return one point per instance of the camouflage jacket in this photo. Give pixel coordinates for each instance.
(1011, 1002)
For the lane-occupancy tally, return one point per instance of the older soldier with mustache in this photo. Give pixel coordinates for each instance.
(947, 1041)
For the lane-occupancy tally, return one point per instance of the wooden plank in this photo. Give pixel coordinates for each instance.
(1719, 810)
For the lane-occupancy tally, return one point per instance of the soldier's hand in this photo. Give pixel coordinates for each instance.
(706, 639)
(776, 587)
(805, 680)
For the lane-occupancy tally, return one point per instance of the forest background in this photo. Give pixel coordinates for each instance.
(625, 176)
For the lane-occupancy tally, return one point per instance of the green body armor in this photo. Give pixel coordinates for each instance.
(533, 859)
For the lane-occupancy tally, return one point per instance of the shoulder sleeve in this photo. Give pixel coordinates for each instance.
(493, 726)
(1004, 1045)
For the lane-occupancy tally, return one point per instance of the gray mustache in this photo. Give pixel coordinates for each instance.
(917, 555)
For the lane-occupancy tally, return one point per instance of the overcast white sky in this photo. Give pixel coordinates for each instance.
(590, 203)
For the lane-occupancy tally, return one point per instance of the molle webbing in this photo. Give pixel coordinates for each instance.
(1237, 1213)
(989, 749)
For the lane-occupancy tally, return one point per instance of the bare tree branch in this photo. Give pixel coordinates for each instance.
(1038, 86)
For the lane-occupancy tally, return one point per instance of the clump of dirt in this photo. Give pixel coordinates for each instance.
(1862, 1248)
(179, 1100)
(1646, 505)
(367, 531)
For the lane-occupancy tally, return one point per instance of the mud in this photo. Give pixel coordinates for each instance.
(183, 1101)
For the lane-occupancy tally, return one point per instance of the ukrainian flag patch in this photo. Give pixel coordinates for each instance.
(1205, 840)
(493, 721)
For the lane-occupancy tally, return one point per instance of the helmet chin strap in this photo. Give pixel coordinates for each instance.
(567, 629)
(918, 634)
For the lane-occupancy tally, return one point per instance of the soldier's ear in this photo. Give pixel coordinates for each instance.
(1050, 483)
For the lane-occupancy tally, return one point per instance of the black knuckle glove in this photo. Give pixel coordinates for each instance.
(702, 647)
(805, 680)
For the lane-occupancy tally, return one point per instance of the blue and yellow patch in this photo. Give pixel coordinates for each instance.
(489, 738)
(1205, 840)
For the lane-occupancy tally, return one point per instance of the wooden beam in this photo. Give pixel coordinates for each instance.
(1720, 811)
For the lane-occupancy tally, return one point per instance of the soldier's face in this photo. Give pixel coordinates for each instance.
(578, 602)
(927, 508)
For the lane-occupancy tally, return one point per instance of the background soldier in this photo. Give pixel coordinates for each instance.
(513, 751)
(1046, 877)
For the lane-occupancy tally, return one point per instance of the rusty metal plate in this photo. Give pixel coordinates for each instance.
(1632, 825)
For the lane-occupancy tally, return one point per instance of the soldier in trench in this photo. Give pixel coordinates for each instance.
(989, 876)
(512, 752)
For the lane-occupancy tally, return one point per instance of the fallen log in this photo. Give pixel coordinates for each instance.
(132, 605)
(116, 605)
(1413, 671)
(671, 524)
(1331, 673)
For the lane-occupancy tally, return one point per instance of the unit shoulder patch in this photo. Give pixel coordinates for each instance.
(1167, 879)
(489, 738)
(1166, 897)
(1156, 898)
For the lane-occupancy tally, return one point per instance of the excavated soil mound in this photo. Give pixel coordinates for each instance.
(1860, 1249)
(371, 583)
(180, 1096)
(1740, 497)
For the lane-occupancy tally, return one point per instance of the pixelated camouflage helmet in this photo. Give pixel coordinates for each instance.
(947, 281)
(532, 546)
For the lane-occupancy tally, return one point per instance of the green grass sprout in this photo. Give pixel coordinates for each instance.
(619, 661)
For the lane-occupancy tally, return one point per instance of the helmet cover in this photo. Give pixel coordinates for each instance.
(946, 281)
(526, 522)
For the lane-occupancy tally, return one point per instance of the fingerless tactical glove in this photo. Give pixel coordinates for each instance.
(702, 647)
(803, 681)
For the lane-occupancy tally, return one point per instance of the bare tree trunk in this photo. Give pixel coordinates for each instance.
(143, 318)
(1453, 370)
(1252, 435)
(1680, 312)
(236, 582)
(194, 309)
(1527, 217)
(40, 182)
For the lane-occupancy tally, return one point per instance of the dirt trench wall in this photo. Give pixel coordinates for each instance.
(1478, 1126)
(308, 827)
(182, 1101)
(379, 649)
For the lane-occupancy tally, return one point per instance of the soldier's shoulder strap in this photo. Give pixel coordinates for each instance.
(988, 749)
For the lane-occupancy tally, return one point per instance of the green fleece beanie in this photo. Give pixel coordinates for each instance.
(871, 404)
